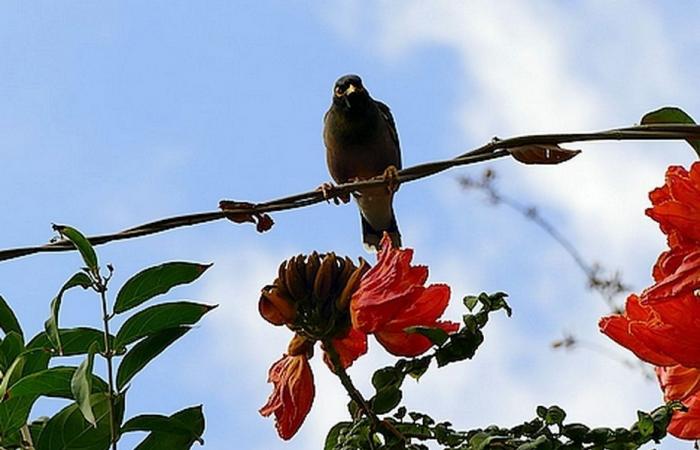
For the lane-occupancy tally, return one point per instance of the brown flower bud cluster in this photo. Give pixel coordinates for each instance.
(311, 294)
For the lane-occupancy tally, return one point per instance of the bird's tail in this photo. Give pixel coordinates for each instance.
(372, 237)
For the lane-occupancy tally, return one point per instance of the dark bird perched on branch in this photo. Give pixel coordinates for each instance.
(362, 143)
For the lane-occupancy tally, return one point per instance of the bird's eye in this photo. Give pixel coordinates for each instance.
(339, 91)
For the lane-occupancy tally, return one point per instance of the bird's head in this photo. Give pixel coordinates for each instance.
(349, 93)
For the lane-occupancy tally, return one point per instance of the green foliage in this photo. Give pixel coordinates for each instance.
(158, 318)
(176, 432)
(79, 279)
(671, 115)
(69, 430)
(81, 385)
(81, 243)
(547, 431)
(144, 351)
(93, 421)
(156, 281)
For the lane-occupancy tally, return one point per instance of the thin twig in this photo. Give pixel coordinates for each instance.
(493, 150)
(102, 289)
(356, 395)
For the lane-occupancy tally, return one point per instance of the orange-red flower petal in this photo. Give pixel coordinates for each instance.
(349, 347)
(676, 205)
(617, 327)
(678, 382)
(686, 425)
(392, 297)
(292, 395)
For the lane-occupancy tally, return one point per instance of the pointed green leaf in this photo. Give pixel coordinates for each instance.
(671, 114)
(51, 325)
(68, 430)
(177, 432)
(81, 243)
(155, 281)
(160, 317)
(10, 348)
(53, 382)
(8, 320)
(81, 385)
(75, 341)
(180, 430)
(7, 376)
(14, 413)
(144, 351)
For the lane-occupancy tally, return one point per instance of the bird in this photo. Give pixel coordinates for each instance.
(361, 143)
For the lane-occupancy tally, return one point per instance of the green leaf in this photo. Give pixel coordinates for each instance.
(7, 377)
(10, 348)
(671, 114)
(144, 351)
(14, 413)
(81, 243)
(177, 432)
(461, 346)
(575, 431)
(75, 341)
(386, 376)
(8, 320)
(51, 325)
(158, 318)
(470, 301)
(437, 336)
(81, 385)
(333, 438)
(645, 424)
(155, 281)
(68, 430)
(53, 382)
(386, 399)
(554, 415)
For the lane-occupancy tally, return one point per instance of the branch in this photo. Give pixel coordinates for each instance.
(497, 148)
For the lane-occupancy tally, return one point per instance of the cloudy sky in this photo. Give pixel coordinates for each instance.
(118, 113)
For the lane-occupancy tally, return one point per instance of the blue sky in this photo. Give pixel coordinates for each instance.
(118, 113)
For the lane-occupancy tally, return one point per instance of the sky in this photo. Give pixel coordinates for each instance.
(114, 114)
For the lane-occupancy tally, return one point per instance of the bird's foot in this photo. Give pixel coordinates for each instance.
(391, 176)
(328, 190)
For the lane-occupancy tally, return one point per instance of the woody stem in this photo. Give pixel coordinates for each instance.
(355, 394)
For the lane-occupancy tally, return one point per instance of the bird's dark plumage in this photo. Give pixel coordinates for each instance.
(361, 143)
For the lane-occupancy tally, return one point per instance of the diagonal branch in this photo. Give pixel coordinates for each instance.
(497, 148)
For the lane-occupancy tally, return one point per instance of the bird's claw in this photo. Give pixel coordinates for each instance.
(391, 176)
(328, 191)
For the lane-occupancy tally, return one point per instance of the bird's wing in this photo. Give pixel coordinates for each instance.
(389, 119)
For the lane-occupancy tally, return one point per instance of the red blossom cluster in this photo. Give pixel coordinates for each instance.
(662, 324)
(390, 297)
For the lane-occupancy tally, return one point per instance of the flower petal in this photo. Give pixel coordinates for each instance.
(292, 395)
(686, 425)
(678, 382)
(617, 328)
(400, 343)
(349, 348)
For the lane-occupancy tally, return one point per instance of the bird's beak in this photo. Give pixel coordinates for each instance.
(352, 88)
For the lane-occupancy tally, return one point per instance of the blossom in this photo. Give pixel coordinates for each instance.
(292, 395)
(676, 204)
(662, 325)
(328, 299)
(392, 297)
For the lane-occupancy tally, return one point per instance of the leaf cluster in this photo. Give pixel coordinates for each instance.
(94, 420)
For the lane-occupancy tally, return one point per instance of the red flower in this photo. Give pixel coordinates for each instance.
(392, 297)
(662, 326)
(676, 205)
(683, 384)
(293, 393)
(349, 347)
